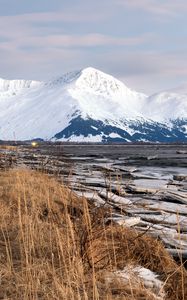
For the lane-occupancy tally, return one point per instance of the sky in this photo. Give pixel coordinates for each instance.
(141, 42)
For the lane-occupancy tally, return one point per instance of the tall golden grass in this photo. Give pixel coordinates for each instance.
(54, 245)
(8, 147)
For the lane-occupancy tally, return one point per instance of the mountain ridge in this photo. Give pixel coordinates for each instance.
(89, 98)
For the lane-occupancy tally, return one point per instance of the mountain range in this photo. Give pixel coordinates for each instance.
(89, 106)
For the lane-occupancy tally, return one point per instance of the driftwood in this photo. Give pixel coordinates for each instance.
(173, 196)
(141, 190)
(111, 197)
(181, 152)
(180, 177)
(178, 253)
(152, 157)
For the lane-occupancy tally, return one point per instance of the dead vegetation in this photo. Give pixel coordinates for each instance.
(54, 245)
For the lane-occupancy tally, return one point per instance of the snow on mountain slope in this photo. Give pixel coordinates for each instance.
(44, 109)
(87, 105)
(101, 96)
(38, 112)
(11, 87)
(166, 106)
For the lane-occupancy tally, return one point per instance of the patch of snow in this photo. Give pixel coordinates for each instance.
(138, 274)
(143, 140)
(81, 138)
(114, 135)
(126, 221)
(94, 127)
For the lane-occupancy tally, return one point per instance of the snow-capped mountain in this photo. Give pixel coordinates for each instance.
(91, 106)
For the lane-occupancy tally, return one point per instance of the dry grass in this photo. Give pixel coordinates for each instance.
(54, 245)
(8, 147)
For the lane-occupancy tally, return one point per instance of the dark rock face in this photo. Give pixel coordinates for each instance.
(141, 131)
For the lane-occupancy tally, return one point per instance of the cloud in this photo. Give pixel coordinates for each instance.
(119, 37)
(42, 23)
(145, 63)
(72, 41)
(53, 17)
(146, 71)
(36, 31)
(158, 7)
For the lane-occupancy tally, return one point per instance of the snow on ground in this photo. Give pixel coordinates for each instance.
(137, 275)
(149, 278)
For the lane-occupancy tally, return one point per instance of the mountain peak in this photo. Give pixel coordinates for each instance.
(94, 80)
(91, 79)
(91, 70)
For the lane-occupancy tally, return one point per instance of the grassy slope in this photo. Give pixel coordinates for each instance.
(54, 245)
